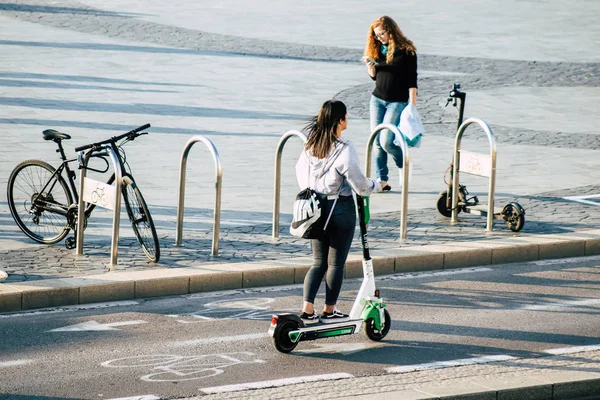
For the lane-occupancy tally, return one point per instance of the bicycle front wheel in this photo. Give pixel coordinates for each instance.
(140, 218)
(38, 200)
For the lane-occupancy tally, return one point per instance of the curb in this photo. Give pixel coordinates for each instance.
(114, 286)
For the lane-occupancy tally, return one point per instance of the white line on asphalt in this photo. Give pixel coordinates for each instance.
(275, 383)
(569, 303)
(401, 369)
(415, 275)
(583, 199)
(266, 289)
(77, 307)
(144, 397)
(575, 349)
(342, 348)
(95, 326)
(14, 363)
(565, 260)
(221, 339)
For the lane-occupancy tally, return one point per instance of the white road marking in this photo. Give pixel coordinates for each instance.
(565, 260)
(582, 199)
(14, 363)
(415, 275)
(144, 397)
(569, 303)
(342, 348)
(266, 289)
(77, 307)
(401, 369)
(95, 326)
(275, 383)
(222, 339)
(575, 349)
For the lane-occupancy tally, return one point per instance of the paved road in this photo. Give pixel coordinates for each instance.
(168, 347)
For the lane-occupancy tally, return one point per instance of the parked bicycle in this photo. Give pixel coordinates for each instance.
(45, 207)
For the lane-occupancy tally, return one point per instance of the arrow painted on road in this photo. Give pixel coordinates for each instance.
(95, 326)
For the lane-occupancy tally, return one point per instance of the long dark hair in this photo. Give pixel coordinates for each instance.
(322, 129)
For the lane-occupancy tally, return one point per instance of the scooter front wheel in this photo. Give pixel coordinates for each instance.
(372, 332)
(281, 337)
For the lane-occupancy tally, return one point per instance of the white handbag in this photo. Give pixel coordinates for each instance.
(411, 126)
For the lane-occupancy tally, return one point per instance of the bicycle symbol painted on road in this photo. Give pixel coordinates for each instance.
(176, 368)
(246, 308)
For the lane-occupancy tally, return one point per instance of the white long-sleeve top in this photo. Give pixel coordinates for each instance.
(339, 173)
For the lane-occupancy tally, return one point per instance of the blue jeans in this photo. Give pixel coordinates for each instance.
(389, 113)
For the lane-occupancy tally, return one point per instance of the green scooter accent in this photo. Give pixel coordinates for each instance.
(372, 311)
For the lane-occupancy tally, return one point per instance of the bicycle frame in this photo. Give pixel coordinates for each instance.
(63, 209)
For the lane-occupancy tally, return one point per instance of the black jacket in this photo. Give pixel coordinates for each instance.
(393, 80)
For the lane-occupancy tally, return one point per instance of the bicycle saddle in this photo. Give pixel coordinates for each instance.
(51, 134)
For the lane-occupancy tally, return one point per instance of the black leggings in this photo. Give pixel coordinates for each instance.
(330, 253)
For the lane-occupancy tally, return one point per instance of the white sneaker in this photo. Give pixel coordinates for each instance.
(3, 275)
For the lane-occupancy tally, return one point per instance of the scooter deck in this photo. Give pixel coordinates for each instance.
(327, 329)
(482, 210)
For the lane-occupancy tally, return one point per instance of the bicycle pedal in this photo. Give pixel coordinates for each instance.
(70, 243)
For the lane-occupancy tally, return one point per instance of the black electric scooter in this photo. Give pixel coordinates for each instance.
(512, 213)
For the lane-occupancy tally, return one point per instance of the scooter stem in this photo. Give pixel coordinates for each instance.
(367, 289)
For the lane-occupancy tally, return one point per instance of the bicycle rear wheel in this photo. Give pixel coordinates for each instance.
(39, 201)
(140, 218)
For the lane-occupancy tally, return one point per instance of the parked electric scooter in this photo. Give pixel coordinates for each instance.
(512, 213)
(368, 310)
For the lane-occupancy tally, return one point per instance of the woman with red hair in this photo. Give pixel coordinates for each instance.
(391, 61)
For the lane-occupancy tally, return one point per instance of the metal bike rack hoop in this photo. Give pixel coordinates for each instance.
(492, 171)
(405, 159)
(116, 212)
(277, 183)
(218, 183)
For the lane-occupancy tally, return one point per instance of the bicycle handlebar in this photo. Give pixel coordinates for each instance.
(132, 133)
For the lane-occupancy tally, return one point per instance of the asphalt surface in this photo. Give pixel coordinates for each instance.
(189, 345)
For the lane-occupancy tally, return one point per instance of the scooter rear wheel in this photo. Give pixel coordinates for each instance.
(441, 204)
(513, 218)
(374, 334)
(281, 337)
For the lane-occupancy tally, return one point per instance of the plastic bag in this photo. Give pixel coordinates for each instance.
(411, 126)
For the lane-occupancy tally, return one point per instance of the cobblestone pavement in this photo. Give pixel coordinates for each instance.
(104, 43)
(547, 213)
